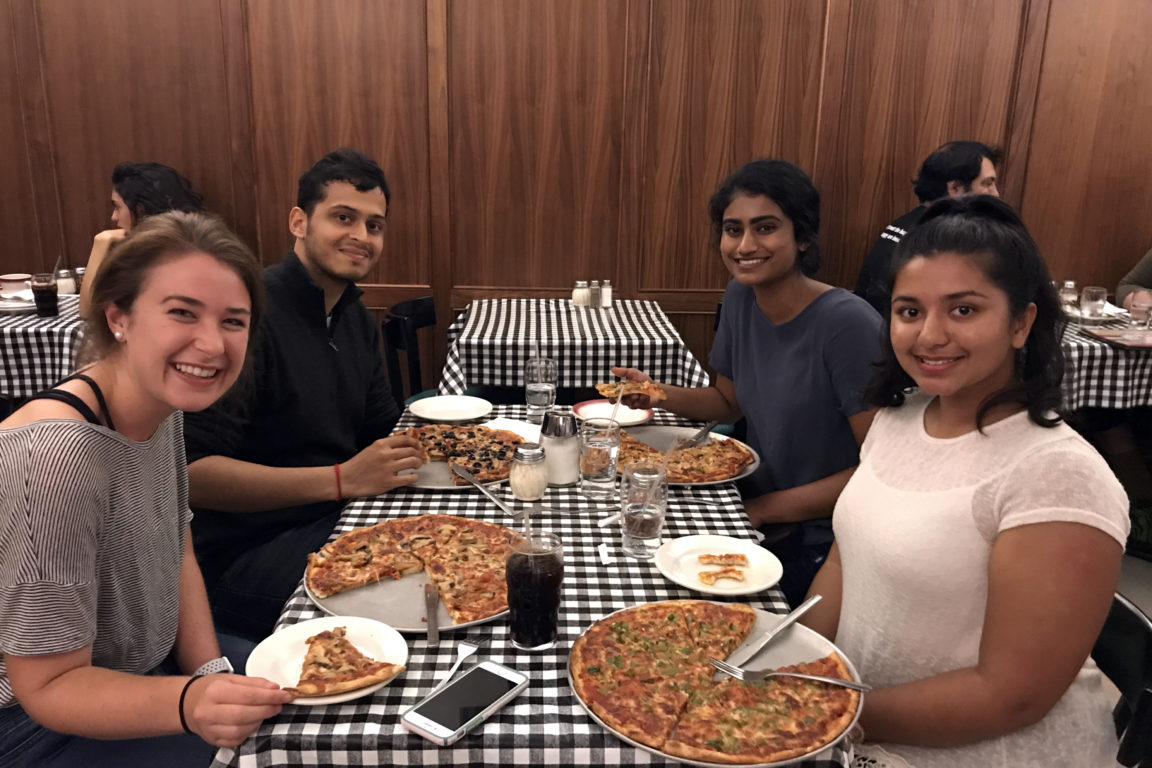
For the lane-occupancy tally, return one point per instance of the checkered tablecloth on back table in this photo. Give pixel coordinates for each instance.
(1100, 375)
(36, 352)
(491, 339)
(544, 726)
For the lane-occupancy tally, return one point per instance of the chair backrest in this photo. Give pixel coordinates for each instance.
(1124, 654)
(399, 332)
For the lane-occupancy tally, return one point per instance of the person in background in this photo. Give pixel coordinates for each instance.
(979, 542)
(105, 633)
(271, 466)
(952, 170)
(1137, 283)
(139, 190)
(792, 355)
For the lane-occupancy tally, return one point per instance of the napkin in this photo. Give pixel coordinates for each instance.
(24, 295)
(1111, 310)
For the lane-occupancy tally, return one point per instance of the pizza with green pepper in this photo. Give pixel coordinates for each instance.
(644, 671)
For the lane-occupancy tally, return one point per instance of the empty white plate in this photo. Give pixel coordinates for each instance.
(451, 408)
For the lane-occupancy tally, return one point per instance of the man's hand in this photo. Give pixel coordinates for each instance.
(639, 402)
(225, 709)
(377, 468)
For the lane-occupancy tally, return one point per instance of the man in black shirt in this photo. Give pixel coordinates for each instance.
(953, 169)
(271, 464)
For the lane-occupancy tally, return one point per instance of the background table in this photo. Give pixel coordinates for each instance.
(36, 352)
(1100, 375)
(490, 340)
(544, 726)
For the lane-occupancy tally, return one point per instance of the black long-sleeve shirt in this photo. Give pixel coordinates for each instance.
(316, 395)
(872, 284)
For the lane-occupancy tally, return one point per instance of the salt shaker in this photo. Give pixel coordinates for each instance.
(528, 476)
(606, 294)
(558, 436)
(594, 294)
(580, 294)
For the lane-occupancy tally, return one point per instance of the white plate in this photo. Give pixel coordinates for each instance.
(661, 437)
(451, 408)
(279, 657)
(677, 560)
(602, 409)
(17, 307)
(795, 645)
(437, 476)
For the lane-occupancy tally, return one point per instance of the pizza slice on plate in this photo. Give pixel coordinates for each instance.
(333, 665)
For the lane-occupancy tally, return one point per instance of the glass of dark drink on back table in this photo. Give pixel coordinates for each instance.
(44, 292)
(535, 571)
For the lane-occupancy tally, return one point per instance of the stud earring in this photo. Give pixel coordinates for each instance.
(119, 336)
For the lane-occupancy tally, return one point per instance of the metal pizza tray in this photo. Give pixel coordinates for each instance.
(661, 438)
(396, 602)
(436, 476)
(795, 645)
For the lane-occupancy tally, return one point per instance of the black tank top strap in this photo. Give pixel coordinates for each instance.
(68, 398)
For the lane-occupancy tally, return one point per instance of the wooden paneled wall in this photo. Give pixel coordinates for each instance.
(533, 142)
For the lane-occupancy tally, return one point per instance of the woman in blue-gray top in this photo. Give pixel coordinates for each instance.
(792, 355)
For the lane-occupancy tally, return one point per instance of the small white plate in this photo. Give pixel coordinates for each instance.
(451, 408)
(279, 657)
(602, 409)
(17, 307)
(677, 560)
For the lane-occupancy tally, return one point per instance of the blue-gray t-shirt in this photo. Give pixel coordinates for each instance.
(798, 382)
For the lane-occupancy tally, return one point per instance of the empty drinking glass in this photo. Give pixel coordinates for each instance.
(539, 386)
(1092, 301)
(643, 504)
(599, 449)
(1139, 312)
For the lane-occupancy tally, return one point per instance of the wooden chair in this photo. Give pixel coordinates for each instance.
(1124, 654)
(399, 332)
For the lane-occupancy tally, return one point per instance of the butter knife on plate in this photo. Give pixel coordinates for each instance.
(431, 600)
(742, 656)
(700, 435)
(472, 479)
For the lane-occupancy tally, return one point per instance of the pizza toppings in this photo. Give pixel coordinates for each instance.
(644, 671)
(483, 451)
(731, 558)
(333, 665)
(710, 577)
(714, 461)
(464, 559)
(650, 389)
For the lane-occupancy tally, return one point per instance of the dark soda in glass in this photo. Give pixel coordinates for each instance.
(535, 571)
(44, 292)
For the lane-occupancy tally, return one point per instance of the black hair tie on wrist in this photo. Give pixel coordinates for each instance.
(183, 693)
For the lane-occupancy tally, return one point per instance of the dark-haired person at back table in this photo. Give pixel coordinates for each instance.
(953, 169)
(792, 355)
(271, 466)
(139, 190)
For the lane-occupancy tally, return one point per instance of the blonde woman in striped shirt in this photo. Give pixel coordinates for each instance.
(104, 623)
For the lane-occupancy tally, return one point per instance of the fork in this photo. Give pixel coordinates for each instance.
(760, 675)
(463, 651)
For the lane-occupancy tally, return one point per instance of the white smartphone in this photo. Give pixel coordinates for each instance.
(446, 715)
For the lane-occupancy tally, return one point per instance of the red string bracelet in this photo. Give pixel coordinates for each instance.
(339, 488)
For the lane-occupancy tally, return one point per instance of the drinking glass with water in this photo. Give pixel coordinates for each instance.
(1092, 301)
(539, 386)
(599, 451)
(643, 505)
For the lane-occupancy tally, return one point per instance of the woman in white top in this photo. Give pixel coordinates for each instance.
(979, 542)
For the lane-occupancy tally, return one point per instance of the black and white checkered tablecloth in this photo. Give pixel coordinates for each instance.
(491, 339)
(1100, 375)
(36, 352)
(544, 726)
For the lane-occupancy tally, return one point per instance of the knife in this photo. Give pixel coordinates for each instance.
(430, 598)
(472, 479)
(698, 438)
(743, 656)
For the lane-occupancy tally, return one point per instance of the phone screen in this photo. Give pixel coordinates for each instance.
(464, 699)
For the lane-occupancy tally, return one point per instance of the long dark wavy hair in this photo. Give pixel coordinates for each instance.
(988, 231)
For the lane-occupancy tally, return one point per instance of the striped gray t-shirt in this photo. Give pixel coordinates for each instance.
(91, 543)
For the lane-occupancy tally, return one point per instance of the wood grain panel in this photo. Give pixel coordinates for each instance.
(535, 108)
(125, 81)
(901, 78)
(22, 250)
(1088, 200)
(728, 82)
(327, 75)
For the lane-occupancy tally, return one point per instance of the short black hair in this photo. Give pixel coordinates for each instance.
(784, 184)
(151, 188)
(342, 164)
(988, 231)
(954, 161)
